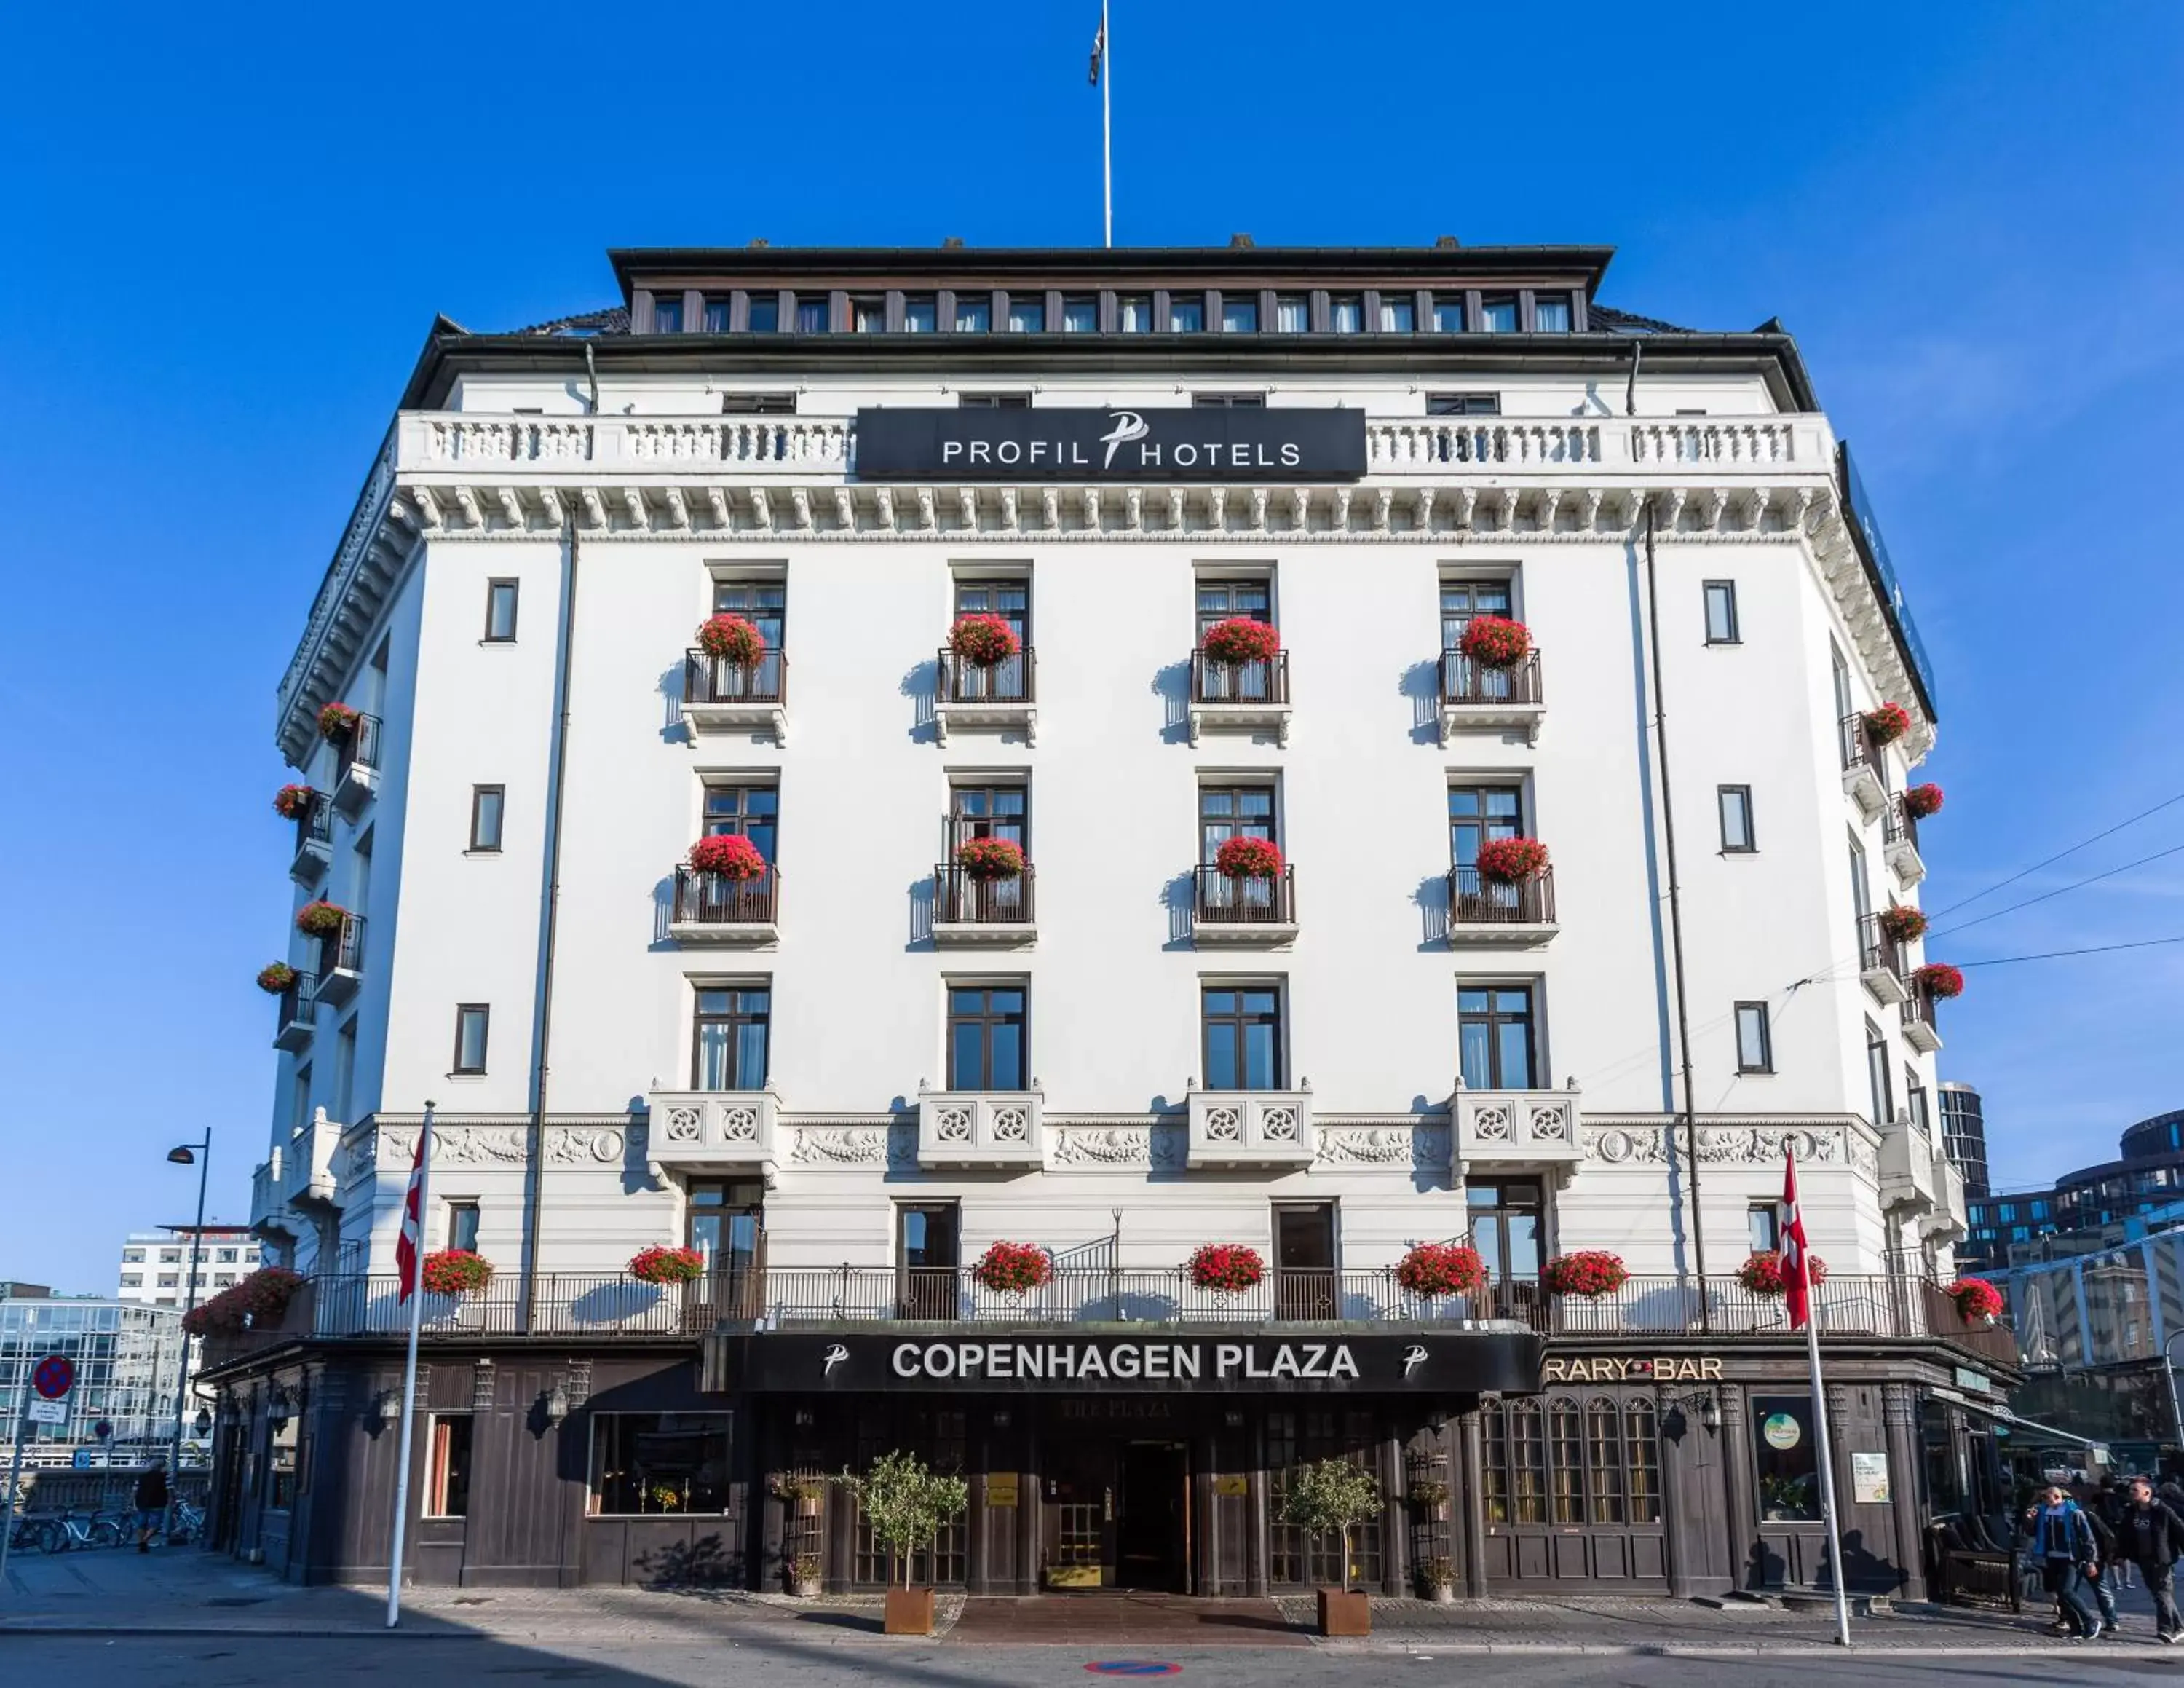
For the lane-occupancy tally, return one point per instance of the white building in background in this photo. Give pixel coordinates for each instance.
(124, 1357)
(155, 1265)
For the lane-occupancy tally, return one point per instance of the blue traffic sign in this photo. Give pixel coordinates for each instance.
(54, 1377)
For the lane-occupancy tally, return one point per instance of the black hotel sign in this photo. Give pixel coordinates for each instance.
(1151, 445)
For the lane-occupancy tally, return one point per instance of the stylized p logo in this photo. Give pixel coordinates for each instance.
(1413, 1357)
(835, 1356)
(1128, 426)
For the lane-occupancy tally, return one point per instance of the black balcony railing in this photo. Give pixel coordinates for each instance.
(1229, 900)
(1859, 749)
(1900, 825)
(1014, 679)
(1476, 901)
(1918, 1009)
(714, 680)
(315, 824)
(298, 1003)
(1878, 952)
(342, 951)
(958, 899)
(1266, 680)
(716, 900)
(360, 749)
(1464, 680)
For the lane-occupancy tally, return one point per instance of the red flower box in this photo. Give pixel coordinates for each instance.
(1249, 859)
(336, 722)
(1921, 801)
(1241, 640)
(1587, 1272)
(320, 920)
(1902, 924)
(1226, 1268)
(1442, 1269)
(731, 639)
(291, 801)
(1887, 723)
(1506, 860)
(1939, 981)
(986, 859)
(661, 1264)
(1013, 1268)
(1761, 1274)
(456, 1271)
(277, 978)
(1975, 1299)
(1496, 641)
(259, 1299)
(984, 639)
(729, 854)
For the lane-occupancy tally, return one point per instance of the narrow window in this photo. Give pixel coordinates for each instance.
(1551, 315)
(470, 1038)
(1397, 316)
(1755, 1042)
(1495, 1048)
(1463, 404)
(716, 313)
(1239, 315)
(758, 404)
(1497, 314)
(1736, 801)
(1186, 316)
(765, 314)
(728, 1036)
(1027, 316)
(1721, 613)
(753, 810)
(499, 611)
(678, 1464)
(973, 315)
(1228, 401)
(986, 1038)
(1877, 1072)
(1292, 313)
(811, 315)
(448, 1471)
(1133, 313)
(928, 1251)
(1080, 315)
(921, 314)
(1345, 314)
(666, 313)
(1763, 1221)
(1914, 1101)
(1242, 1030)
(486, 802)
(1448, 313)
(868, 314)
(1506, 1227)
(463, 1226)
(993, 401)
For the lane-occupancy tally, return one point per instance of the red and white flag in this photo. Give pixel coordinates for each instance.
(1796, 1286)
(409, 1246)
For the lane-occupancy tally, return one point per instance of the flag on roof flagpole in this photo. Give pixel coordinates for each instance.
(409, 1272)
(1103, 78)
(1798, 1282)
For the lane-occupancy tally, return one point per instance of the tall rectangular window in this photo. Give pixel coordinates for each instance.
(1345, 314)
(1497, 314)
(674, 1464)
(1080, 315)
(723, 1220)
(1735, 804)
(811, 315)
(1755, 1042)
(1133, 313)
(470, 1038)
(448, 1466)
(486, 802)
(1397, 316)
(1242, 1028)
(1027, 316)
(1480, 813)
(764, 313)
(920, 314)
(666, 313)
(1721, 612)
(1448, 313)
(716, 318)
(1292, 313)
(1009, 678)
(345, 1070)
(1550, 314)
(986, 1038)
(1763, 1224)
(728, 1036)
(1186, 316)
(463, 1226)
(1220, 601)
(928, 1256)
(499, 611)
(973, 315)
(1506, 1228)
(1239, 315)
(1495, 1046)
(1462, 600)
(753, 810)
(1915, 1100)
(1876, 1074)
(868, 314)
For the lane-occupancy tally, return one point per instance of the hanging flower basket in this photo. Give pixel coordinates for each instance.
(731, 639)
(1887, 723)
(987, 859)
(1241, 640)
(456, 1271)
(259, 1299)
(1939, 981)
(1921, 801)
(1013, 1268)
(320, 920)
(277, 978)
(1496, 641)
(337, 721)
(662, 1265)
(1587, 1272)
(983, 641)
(1249, 859)
(1442, 1269)
(1761, 1274)
(290, 802)
(1505, 861)
(1977, 1301)
(1900, 925)
(729, 854)
(1226, 1268)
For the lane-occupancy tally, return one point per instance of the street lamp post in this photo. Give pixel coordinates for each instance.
(2168, 1371)
(200, 1155)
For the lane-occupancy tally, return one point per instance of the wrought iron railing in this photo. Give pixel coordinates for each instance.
(704, 899)
(1013, 679)
(360, 748)
(314, 823)
(298, 1002)
(1899, 825)
(959, 899)
(1265, 679)
(1473, 900)
(1466, 680)
(1234, 900)
(1879, 953)
(715, 679)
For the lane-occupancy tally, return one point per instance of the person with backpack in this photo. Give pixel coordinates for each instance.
(2068, 1553)
(2151, 1536)
(151, 1501)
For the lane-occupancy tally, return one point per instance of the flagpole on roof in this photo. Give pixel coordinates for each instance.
(1102, 73)
(1804, 1308)
(409, 1264)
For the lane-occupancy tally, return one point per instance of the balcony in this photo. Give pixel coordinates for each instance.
(712, 1131)
(714, 909)
(1226, 909)
(1233, 1128)
(340, 962)
(1475, 698)
(1918, 1028)
(1947, 1223)
(1001, 695)
(1899, 834)
(1880, 963)
(1516, 1128)
(308, 1163)
(314, 840)
(268, 1198)
(1864, 768)
(962, 1129)
(295, 1013)
(968, 911)
(1907, 1166)
(1239, 697)
(1518, 913)
(720, 696)
(357, 768)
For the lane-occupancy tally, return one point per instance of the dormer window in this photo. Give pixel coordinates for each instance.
(667, 313)
(1497, 314)
(1550, 314)
(765, 314)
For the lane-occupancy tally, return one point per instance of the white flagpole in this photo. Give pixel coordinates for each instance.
(1827, 1458)
(1106, 119)
(409, 1376)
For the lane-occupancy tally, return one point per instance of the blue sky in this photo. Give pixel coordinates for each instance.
(226, 232)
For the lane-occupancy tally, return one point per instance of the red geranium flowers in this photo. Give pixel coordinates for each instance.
(1241, 640)
(291, 801)
(1938, 979)
(1921, 801)
(1587, 1271)
(729, 854)
(1226, 1268)
(990, 858)
(455, 1272)
(1442, 1269)
(1496, 641)
(1241, 857)
(1887, 723)
(984, 639)
(663, 1264)
(1506, 860)
(1013, 1268)
(1900, 924)
(731, 639)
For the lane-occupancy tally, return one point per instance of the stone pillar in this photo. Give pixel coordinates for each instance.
(1899, 1410)
(1394, 1572)
(1743, 1521)
(1470, 1499)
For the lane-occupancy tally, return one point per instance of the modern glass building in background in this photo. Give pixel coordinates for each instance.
(1963, 1134)
(2090, 1209)
(126, 1368)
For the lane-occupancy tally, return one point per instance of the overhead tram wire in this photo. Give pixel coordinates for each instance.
(2075, 885)
(2166, 802)
(2055, 954)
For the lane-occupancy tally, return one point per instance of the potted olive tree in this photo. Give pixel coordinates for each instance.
(906, 1504)
(1335, 1494)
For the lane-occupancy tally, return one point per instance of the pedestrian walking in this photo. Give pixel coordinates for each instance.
(2068, 1556)
(150, 1499)
(2152, 1538)
(2100, 1579)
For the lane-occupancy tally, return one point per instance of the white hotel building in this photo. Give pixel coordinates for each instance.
(842, 1081)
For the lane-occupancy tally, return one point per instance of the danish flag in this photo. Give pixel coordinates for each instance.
(1796, 1290)
(409, 1247)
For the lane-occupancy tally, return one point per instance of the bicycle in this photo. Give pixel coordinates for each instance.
(188, 1524)
(26, 1534)
(68, 1531)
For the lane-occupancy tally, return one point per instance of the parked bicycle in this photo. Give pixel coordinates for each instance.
(26, 1534)
(187, 1525)
(68, 1530)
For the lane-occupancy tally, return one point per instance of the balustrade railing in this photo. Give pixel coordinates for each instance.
(1262, 681)
(1013, 679)
(1465, 680)
(1234, 900)
(1878, 952)
(960, 899)
(703, 899)
(298, 1002)
(1474, 900)
(1900, 825)
(360, 748)
(715, 679)
(315, 824)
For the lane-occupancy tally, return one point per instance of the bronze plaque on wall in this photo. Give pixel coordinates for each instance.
(1000, 1488)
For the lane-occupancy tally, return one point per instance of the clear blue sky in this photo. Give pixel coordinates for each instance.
(224, 242)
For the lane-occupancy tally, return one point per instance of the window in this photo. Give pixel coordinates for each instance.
(1506, 1227)
(1239, 315)
(985, 811)
(1497, 314)
(1914, 1103)
(345, 1069)
(1228, 401)
(716, 318)
(486, 805)
(666, 313)
(499, 611)
(1186, 316)
(132, 1280)
(753, 810)
(1305, 1260)
(1571, 1463)
(762, 602)
(224, 1255)
(973, 315)
(986, 1038)
(765, 314)
(674, 1463)
(1133, 313)
(1292, 313)
(1463, 404)
(1495, 1046)
(1080, 315)
(1448, 313)
(1876, 1073)
(463, 1224)
(470, 1038)
(868, 314)
(223, 1280)
(170, 1280)
(1220, 601)
(1782, 1449)
(1027, 316)
(1397, 316)
(811, 315)
(1010, 679)
(1736, 805)
(928, 1248)
(1345, 314)
(921, 313)
(1225, 812)
(1721, 613)
(1755, 1044)
(728, 1036)
(1550, 314)
(1462, 600)
(758, 404)
(1478, 813)
(1242, 1026)
(722, 1220)
(994, 401)
(133, 1256)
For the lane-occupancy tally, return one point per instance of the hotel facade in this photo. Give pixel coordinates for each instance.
(841, 1079)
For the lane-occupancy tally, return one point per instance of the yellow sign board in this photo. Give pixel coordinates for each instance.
(1227, 1484)
(1001, 1488)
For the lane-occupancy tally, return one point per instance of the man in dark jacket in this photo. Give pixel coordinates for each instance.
(150, 1502)
(2151, 1537)
(2065, 1548)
